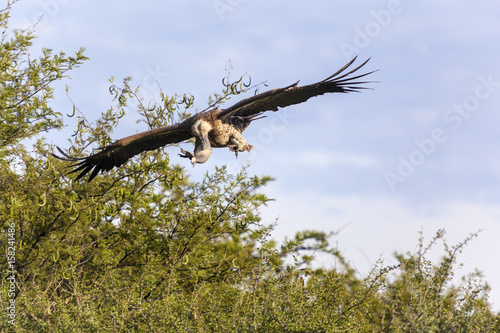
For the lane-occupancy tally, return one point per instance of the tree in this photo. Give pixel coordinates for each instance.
(26, 84)
(146, 249)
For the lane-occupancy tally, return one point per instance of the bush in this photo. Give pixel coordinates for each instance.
(143, 248)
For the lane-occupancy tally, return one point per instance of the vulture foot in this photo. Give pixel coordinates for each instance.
(186, 154)
(236, 148)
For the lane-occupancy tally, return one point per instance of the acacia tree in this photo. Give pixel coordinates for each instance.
(143, 232)
(143, 248)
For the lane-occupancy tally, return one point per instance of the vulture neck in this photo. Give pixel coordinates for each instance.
(202, 149)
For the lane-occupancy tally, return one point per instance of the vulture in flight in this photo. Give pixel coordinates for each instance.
(216, 127)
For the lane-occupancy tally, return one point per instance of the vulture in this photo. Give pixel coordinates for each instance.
(215, 127)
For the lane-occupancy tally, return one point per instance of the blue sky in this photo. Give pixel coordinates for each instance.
(419, 152)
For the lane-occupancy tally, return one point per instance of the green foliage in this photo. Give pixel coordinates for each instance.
(420, 298)
(143, 248)
(25, 84)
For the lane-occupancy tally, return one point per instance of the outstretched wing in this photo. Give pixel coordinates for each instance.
(117, 153)
(273, 99)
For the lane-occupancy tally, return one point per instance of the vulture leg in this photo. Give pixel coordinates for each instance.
(236, 148)
(238, 143)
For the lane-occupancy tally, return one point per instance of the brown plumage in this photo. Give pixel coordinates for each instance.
(215, 127)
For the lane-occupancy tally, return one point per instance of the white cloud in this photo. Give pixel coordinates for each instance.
(323, 159)
(372, 228)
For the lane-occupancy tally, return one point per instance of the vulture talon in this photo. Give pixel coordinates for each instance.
(186, 154)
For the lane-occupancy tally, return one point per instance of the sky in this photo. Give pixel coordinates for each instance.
(419, 152)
